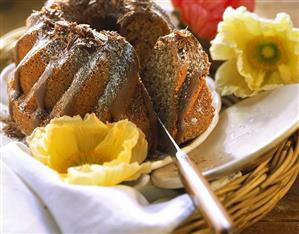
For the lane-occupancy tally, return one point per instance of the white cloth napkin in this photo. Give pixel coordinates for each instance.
(35, 200)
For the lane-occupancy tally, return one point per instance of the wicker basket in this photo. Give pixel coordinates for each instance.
(253, 195)
(249, 197)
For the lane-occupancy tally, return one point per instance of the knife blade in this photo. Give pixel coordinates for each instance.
(196, 185)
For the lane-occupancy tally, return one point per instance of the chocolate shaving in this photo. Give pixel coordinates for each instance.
(11, 129)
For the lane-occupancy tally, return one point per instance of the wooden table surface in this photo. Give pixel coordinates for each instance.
(284, 219)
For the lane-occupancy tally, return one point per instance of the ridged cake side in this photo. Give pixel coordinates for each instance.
(68, 69)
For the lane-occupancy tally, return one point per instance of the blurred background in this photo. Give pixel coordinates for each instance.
(13, 13)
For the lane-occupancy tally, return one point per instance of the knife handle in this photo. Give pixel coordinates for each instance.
(203, 196)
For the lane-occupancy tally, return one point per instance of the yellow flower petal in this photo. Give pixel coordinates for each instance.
(103, 175)
(139, 152)
(285, 73)
(71, 141)
(221, 51)
(120, 143)
(273, 81)
(94, 174)
(254, 78)
(90, 152)
(266, 52)
(38, 145)
(229, 81)
(62, 146)
(230, 30)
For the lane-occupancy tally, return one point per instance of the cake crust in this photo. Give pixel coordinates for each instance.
(70, 69)
(82, 56)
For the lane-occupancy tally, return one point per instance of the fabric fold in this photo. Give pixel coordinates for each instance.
(88, 209)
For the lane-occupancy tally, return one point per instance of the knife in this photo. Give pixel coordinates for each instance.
(196, 185)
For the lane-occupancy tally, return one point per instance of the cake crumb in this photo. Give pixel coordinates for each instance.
(11, 129)
(194, 121)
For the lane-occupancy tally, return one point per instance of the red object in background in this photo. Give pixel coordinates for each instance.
(203, 16)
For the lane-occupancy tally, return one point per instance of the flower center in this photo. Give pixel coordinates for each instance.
(80, 159)
(266, 53)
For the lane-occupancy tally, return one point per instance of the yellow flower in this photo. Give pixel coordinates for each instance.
(261, 54)
(87, 151)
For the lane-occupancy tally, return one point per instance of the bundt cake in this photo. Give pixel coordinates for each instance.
(175, 79)
(68, 64)
(141, 22)
(69, 69)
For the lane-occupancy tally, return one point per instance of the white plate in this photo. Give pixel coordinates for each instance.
(244, 133)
